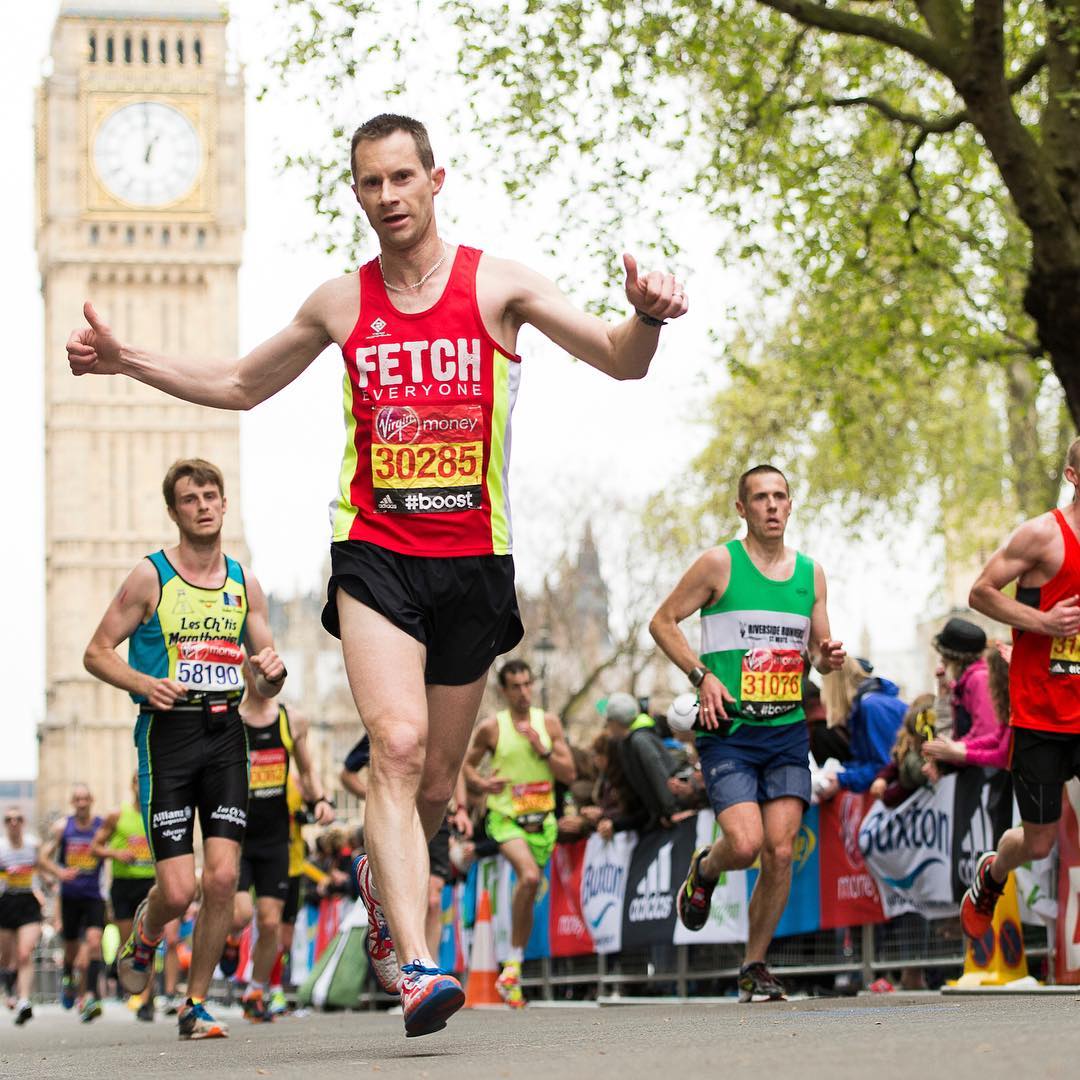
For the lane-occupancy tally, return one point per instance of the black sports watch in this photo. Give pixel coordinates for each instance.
(696, 675)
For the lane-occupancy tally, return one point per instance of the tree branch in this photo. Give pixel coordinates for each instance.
(945, 19)
(939, 57)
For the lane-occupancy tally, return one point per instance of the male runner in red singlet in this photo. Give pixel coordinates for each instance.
(422, 580)
(1043, 557)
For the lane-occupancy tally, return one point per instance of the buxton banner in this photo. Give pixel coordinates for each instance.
(909, 850)
(603, 888)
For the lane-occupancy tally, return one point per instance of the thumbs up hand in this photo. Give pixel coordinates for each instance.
(656, 294)
(93, 349)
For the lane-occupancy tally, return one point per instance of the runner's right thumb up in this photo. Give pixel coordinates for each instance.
(92, 317)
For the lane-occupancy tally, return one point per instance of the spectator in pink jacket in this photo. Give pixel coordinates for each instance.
(980, 701)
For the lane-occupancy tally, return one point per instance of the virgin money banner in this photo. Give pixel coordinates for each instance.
(728, 915)
(803, 912)
(908, 849)
(849, 893)
(657, 869)
(567, 928)
(1067, 953)
(603, 888)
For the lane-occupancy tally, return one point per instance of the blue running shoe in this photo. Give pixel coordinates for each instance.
(230, 957)
(194, 1022)
(428, 998)
(67, 992)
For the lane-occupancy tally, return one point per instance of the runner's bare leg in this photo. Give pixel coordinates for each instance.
(781, 819)
(385, 667)
(452, 712)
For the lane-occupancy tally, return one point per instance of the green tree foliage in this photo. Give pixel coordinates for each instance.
(901, 179)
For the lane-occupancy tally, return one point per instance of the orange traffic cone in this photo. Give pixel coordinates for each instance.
(480, 992)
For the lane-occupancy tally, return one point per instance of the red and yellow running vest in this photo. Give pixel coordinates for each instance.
(428, 399)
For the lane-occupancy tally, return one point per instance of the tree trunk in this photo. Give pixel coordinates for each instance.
(1036, 473)
(1052, 299)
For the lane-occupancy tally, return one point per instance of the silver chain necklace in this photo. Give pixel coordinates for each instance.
(409, 288)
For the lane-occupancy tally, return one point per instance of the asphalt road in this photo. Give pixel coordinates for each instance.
(873, 1038)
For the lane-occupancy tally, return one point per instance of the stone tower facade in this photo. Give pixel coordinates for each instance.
(140, 193)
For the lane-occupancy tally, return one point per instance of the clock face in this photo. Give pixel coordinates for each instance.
(147, 153)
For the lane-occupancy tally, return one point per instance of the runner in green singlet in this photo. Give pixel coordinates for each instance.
(529, 753)
(763, 616)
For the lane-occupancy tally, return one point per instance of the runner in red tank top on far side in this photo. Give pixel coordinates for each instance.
(422, 581)
(1043, 558)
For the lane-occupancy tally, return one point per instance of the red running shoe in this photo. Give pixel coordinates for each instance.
(380, 943)
(428, 998)
(977, 906)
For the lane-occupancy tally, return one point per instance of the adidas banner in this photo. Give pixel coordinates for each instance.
(657, 869)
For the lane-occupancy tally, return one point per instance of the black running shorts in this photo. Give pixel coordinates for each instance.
(463, 610)
(126, 894)
(292, 901)
(18, 909)
(79, 914)
(267, 869)
(439, 853)
(185, 767)
(1041, 763)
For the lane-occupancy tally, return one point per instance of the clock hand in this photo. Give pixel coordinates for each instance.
(150, 149)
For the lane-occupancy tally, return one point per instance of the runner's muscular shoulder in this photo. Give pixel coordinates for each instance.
(705, 582)
(1033, 554)
(332, 309)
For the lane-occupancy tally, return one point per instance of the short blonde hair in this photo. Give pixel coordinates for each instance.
(1072, 457)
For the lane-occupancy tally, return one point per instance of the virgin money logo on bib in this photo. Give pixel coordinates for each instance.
(397, 424)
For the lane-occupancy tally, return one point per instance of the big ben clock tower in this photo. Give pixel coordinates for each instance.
(140, 172)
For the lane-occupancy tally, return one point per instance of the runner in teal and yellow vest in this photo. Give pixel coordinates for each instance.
(529, 753)
(763, 621)
(192, 616)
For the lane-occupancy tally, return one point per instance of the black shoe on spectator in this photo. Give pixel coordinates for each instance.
(757, 983)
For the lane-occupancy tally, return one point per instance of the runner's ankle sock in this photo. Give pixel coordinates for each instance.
(275, 971)
(193, 1001)
(254, 987)
(69, 970)
(93, 977)
(515, 956)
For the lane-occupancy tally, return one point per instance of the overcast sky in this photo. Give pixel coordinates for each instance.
(577, 435)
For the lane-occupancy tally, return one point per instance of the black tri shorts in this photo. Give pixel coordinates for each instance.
(463, 610)
(1041, 763)
(186, 766)
(266, 868)
(18, 909)
(126, 894)
(439, 853)
(79, 914)
(292, 901)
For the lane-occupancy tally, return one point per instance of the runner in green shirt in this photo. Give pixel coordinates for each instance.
(763, 617)
(529, 753)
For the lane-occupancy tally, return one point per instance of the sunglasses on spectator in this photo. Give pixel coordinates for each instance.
(13, 820)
